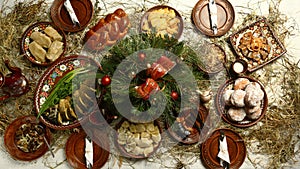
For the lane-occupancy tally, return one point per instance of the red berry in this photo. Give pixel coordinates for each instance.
(174, 95)
(105, 81)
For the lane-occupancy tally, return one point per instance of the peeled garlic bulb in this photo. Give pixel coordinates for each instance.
(205, 96)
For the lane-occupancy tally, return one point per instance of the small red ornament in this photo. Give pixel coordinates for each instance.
(174, 95)
(142, 56)
(105, 81)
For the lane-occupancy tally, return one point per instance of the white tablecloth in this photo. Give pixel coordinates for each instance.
(288, 7)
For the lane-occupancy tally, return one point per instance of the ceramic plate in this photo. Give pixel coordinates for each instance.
(213, 58)
(225, 15)
(145, 20)
(82, 8)
(236, 148)
(26, 40)
(194, 137)
(51, 76)
(253, 54)
(75, 151)
(222, 109)
(10, 144)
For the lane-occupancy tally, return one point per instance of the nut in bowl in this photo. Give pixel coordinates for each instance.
(43, 43)
(138, 140)
(163, 20)
(242, 102)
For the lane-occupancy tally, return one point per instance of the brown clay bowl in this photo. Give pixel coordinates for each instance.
(236, 149)
(225, 15)
(180, 24)
(51, 77)
(11, 145)
(25, 41)
(221, 108)
(194, 137)
(122, 149)
(75, 151)
(60, 16)
(207, 48)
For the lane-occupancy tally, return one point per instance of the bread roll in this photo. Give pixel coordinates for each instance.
(236, 114)
(250, 110)
(241, 83)
(254, 94)
(226, 97)
(237, 98)
(255, 115)
(107, 31)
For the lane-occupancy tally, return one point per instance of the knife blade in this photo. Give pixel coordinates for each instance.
(213, 16)
(71, 12)
(88, 152)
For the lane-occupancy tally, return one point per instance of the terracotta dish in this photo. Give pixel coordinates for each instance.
(50, 78)
(145, 19)
(82, 8)
(236, 148)
(11, 145)
(122, 148)
(75, 151)
(26, 40)
(213, 58)
(193, 137)
(222, 109)
(225, 15)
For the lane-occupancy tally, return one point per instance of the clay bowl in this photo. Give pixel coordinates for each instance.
(180, 24)
(10, 141)
(60, 16)
(236, 149)
(220, 59)
(193, 137)
(222, 109)
(201, 17)
(75, 152)
(26, 40)
(51, 77)
(122, 150)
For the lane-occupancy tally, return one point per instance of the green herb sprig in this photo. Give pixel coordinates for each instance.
(62, 89)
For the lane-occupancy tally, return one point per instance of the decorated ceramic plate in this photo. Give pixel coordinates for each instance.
(60, 16)
(243, 115)
(194, 134)
(49, 80)
(225, 15)
(236, 149)
(75, 151)
(26, 148)
(163, 20)
(257, 44)
(137, 140)
(47, 48)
